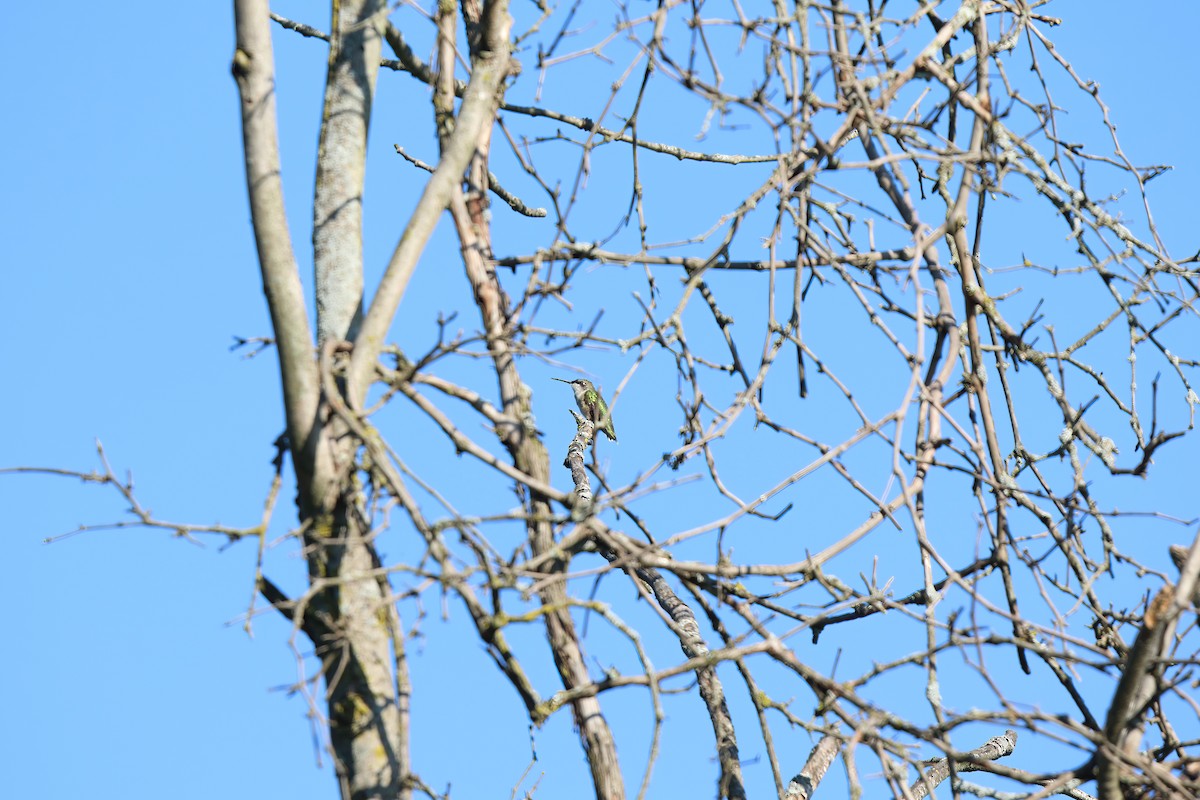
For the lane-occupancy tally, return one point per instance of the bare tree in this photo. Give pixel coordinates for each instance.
(891, 405)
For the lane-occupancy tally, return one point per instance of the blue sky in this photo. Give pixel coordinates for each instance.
(128, 269)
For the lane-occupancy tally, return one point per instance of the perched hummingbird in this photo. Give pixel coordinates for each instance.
(592, 405)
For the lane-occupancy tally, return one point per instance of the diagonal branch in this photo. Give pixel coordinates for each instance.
(478, 110)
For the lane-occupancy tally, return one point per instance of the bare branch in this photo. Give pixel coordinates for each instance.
(254, 70)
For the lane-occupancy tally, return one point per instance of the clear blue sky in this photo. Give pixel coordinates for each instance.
(128, 267)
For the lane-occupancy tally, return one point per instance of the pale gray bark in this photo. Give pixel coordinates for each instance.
(347, 612)
(254, 70)
(354, 50)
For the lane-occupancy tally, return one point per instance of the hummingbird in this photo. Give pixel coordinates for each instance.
(592, 405)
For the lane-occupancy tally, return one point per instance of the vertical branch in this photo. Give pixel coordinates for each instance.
(956, 227)
(354, 49)
(527, 451)
(362, 657)
(254, 70)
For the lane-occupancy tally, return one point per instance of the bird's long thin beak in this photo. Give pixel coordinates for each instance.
(560, 380)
